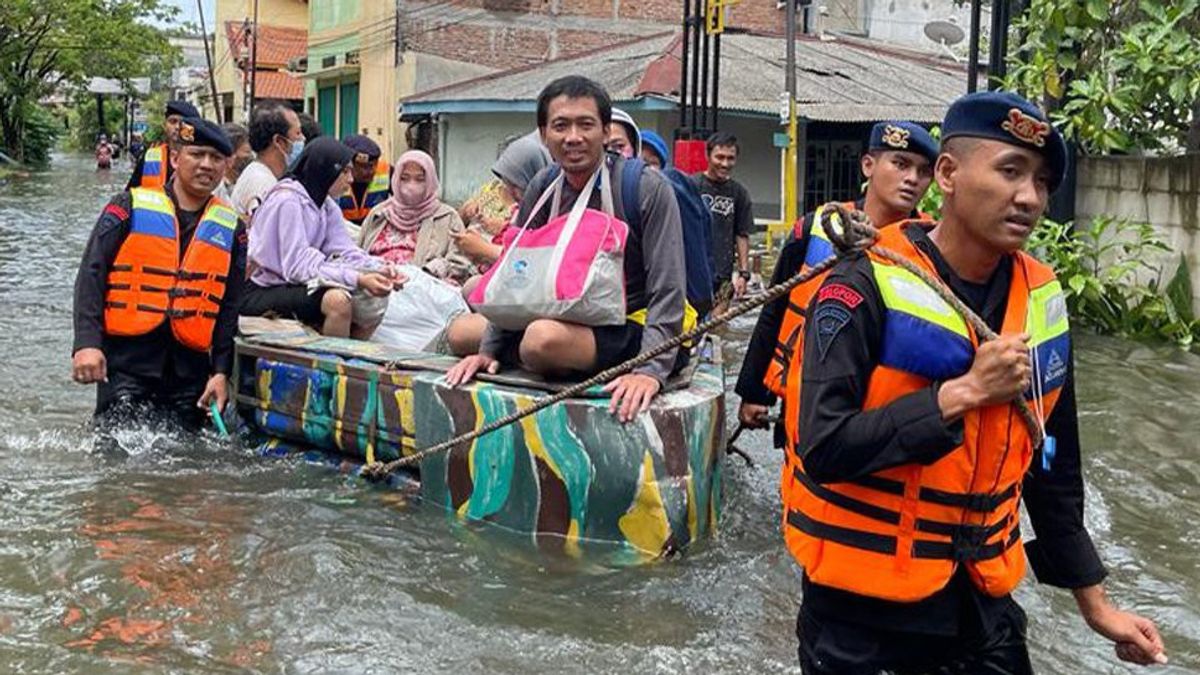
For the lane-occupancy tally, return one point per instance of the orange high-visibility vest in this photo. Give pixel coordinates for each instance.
(155, 165)
(900, 534)
(377, 191)
(791, 328)
(147, 284)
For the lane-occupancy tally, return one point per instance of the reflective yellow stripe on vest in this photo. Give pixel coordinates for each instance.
(152, 200)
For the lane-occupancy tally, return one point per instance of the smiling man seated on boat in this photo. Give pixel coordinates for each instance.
(628, 299)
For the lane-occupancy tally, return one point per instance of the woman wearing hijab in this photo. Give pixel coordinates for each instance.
(523, 159)
(305, 265)
(514, 169)
(414, 227)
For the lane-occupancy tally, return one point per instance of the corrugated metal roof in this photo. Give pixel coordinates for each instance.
(836, 80)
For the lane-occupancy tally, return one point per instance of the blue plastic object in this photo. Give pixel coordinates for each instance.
(1049, 448)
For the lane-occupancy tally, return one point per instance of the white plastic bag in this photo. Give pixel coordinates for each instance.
(418, 314)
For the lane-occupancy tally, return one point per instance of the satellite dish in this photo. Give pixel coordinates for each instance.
(944, 32)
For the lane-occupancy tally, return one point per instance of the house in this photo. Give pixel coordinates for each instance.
(843, 87)
(392, 50)
(282, 40)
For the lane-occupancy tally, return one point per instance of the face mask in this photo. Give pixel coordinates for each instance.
(412, 193)
(294, 152)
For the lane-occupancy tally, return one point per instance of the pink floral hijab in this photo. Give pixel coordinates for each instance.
(412, 202)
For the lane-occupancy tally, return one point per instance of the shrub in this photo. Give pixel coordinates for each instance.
(1111, 286)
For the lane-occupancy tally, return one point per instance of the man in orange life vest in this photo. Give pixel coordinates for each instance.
(157, 291)
(372, 182)
(153, 168)
(908, 458)
(898, 166)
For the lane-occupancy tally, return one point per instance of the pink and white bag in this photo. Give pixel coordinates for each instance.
(571, 268)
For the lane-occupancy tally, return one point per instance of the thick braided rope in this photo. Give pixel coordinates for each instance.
(378, 471)
(854, 234)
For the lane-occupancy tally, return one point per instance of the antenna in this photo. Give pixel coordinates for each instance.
(945, 33)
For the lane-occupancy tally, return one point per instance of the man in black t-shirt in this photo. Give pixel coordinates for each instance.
(732, 215)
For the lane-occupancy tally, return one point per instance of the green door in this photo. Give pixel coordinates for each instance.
(327, 109)
(349, 121)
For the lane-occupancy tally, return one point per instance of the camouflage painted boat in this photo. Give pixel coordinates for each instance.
(571, 478)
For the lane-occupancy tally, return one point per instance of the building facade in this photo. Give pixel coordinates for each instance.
(282, 39)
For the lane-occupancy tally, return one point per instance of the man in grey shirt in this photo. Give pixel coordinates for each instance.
(574, 117)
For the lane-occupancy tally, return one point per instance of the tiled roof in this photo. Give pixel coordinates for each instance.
(276, 45)
(276, 84)
(837, 80)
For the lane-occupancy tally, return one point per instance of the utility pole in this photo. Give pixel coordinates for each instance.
(789, 158)
(254, 59)
(212, 77)
(998, 55)
(973, 48)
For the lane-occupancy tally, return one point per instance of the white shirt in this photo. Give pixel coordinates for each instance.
(251, 187)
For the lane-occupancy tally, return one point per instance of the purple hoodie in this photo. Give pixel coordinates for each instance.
(293, 242)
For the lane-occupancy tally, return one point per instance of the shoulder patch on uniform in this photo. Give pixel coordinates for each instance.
(831, 318)
(116, 211)
(841, 293)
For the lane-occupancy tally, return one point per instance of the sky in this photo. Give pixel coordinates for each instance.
(188, 11)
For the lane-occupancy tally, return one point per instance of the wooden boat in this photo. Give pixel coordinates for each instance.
(572, 478)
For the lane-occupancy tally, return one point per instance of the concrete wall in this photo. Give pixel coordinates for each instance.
(339, 26)
(903, 21)
(1162, 191)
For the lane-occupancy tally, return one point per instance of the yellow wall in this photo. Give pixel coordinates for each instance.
(344, 25)
(283, 13)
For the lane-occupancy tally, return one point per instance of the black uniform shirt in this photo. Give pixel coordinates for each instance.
(840, 441)
(759, 350)
(150, 355)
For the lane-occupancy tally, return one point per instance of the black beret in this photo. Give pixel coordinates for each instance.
(361, 145)
(182, 108)
(904, 137)
(1004, 116)
(197, 131)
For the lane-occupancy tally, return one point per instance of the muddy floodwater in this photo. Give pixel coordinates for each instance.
(192, 556)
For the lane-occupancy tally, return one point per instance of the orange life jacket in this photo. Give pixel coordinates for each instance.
(155, 166)
(900, 534)
(146, 282)
(791, 328)
(377, 191)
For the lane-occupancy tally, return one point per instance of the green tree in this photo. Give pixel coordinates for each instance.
(46, 44)
(1117, 75)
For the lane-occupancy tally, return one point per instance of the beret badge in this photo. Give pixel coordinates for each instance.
(1026, 127)
(187, 133)
(895, 137)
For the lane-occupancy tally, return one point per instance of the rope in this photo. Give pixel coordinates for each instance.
(857, 225)
(857, 235)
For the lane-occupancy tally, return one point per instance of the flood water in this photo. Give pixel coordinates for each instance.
(191, 556)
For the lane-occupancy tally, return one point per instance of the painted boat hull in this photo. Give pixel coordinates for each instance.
(571, 478)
